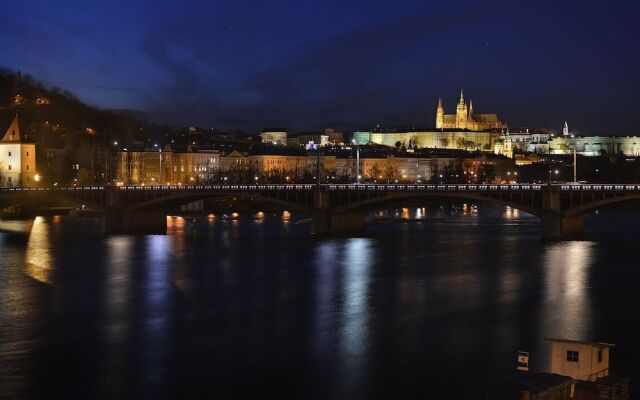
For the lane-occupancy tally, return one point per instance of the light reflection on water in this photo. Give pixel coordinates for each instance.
(38, 263)
(425, 305)
(567, 308)
(356, 264)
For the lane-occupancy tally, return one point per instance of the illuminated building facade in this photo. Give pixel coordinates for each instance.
(466, 140)
(17, 158)
(465, 118)
(274, 136)
(153, 167)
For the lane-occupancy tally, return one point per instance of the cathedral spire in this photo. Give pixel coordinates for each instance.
(565, 130)
(470, 107)
(439, 102)
(461, 96)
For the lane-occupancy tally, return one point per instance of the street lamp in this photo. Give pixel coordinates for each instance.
(357, 161)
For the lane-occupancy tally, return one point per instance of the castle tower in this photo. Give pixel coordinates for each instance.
(440, 115)
(565, 130)
(17, 158)
(462, 115)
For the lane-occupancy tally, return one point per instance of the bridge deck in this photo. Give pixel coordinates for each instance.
(346, 187)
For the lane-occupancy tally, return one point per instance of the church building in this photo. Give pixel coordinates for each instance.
(17, 158)
(466, 119)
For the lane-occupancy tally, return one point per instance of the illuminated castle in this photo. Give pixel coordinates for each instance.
(465, 119)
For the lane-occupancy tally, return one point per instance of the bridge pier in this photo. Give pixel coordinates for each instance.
(150, 222)
(554, 226)
(324, 221)
(554, 223)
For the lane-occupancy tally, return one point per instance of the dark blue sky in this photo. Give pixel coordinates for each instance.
(345, 64)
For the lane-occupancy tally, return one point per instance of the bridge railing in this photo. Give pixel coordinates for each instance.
(50, 188)
(436, 188)
(221, 187)
(600, 187)
(347, 187)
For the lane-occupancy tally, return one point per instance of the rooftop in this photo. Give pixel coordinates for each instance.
(580, 342)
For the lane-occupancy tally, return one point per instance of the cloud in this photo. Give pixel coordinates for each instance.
(347, 76)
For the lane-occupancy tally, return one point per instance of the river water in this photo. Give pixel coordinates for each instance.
(228, 308)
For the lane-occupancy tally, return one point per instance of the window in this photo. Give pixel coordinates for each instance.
(27, 154)
(27, 167)
(9, 167)
(599, 356)
(572, 356)
(9, 154)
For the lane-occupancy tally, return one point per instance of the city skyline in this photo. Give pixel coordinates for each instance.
(249, 66)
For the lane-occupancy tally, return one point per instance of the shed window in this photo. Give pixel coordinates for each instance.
(572, 356)
(599, 355)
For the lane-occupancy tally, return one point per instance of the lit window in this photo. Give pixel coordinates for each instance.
(572, 356)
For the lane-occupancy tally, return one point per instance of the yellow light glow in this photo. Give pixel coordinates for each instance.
(38, 259)
(37, 178)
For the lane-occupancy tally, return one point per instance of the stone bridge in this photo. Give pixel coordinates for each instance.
(334, 208)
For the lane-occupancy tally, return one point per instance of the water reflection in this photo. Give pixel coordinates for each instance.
(118, 299)
(175, 225)
(424, 309)
(157, 305)
(357, 261)
(566, 309)
(511, 213)
(325, 288)
(38, 264)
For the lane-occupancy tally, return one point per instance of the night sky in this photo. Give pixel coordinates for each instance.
(346, 64)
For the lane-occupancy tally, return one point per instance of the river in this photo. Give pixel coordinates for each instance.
(232, 307)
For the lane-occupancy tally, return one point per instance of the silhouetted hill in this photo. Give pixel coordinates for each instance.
(54, 113)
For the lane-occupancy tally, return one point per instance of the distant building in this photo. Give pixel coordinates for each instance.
(153, 167)
(520, 141)
(584, 361)
(17, 158)
(589, 145)
(274, 136)
(462, 140)
(335, 138)
(306, 139)
(465, 118)
(504, 146)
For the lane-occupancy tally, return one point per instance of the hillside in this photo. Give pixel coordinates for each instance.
(51, 115)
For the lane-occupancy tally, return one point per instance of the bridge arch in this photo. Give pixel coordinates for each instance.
(589, 206)
(170, 201)
(374, 203)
